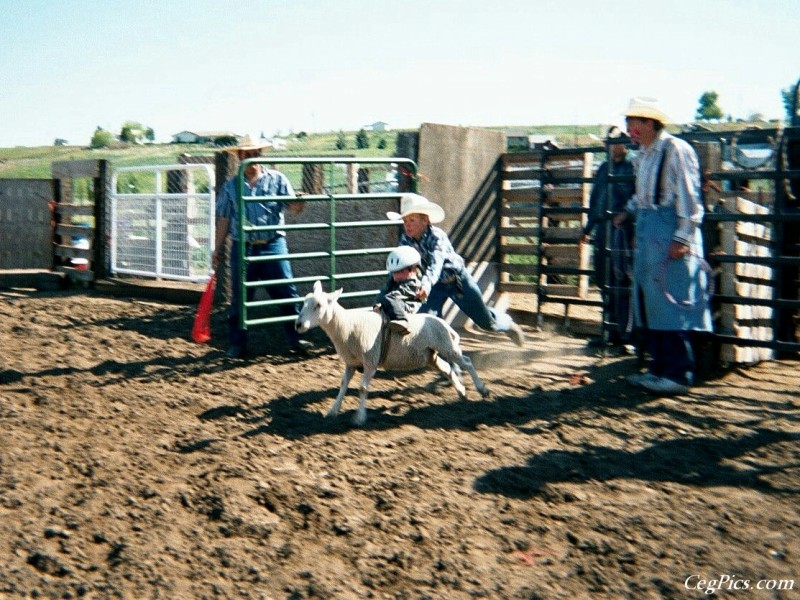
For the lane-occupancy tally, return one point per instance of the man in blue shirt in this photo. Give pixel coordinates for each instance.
(614, 281)
(258, 181)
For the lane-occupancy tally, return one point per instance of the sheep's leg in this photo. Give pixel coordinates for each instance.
(361, 413)
(337, 404)
(448, 370)
(479, 385)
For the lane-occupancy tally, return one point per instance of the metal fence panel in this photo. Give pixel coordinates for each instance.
(25, 233)
(342, 235)
(751, 229)
(162, 221)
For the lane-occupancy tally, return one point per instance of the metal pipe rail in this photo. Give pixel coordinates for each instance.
(783, 217)
(334, 229)
(166, 229)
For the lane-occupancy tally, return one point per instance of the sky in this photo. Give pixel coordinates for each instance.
(277, 67)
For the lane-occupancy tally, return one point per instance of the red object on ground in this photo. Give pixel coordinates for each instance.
(201, 330)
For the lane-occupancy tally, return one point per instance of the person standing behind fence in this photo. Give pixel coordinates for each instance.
(614, 281)
(445, 275)
(258, 181)
(667, 275)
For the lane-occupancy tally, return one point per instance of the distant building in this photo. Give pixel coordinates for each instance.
(542, 142)
(523, 142)
(203, 137)
(278, 143)
(378, 126)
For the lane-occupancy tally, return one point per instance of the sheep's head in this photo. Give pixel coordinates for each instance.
(317, 308)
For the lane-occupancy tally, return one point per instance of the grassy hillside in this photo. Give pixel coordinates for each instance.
(35, 162)
(23, 162)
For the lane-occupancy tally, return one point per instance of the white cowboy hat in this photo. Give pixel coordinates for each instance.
(247, 145)
(646, 108)
(416, 204)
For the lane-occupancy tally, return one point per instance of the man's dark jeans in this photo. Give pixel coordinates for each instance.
(281, 269)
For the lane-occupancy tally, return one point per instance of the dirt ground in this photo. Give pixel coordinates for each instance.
(137, 464)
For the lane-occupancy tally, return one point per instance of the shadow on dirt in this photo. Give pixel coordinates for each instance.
(167, 323)
(112, 371)
(291, 418)
(207, 359)
(699, 461)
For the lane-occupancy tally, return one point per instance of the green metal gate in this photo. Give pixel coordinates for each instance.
(349, 198)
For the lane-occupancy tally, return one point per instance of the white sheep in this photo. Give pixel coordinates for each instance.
(359, 338)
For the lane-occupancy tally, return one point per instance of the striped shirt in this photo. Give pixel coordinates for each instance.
(679, 185)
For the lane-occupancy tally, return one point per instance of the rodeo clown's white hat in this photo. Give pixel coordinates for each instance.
(646, 108)
(416, 204)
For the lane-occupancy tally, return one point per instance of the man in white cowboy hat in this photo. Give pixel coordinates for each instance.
(444, 274)
(258, 181)
(668, 281)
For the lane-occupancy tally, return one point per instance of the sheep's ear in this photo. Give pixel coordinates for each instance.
(317, 287)
(335, 295)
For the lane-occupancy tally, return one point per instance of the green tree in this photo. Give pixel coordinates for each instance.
(382, 144)
(708, 109)
(790, 103)
(341, 140)
(133, 132)
(101, 138)
(362, 139)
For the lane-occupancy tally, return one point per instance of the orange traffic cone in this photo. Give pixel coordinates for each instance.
(201, 330)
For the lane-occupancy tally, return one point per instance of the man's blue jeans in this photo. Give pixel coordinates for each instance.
(469, 299)
(672, 355)
(264, 271)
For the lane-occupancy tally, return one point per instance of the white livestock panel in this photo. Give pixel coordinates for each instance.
(162, 221)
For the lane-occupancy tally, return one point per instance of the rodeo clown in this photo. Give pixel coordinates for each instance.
(669, 273)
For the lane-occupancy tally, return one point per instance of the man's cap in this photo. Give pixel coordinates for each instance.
(615, 133)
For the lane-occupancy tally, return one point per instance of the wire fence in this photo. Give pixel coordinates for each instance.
(162, 221)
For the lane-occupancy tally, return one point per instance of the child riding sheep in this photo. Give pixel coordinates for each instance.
(398, 297)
